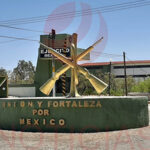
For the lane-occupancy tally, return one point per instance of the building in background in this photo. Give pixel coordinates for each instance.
(139, 70)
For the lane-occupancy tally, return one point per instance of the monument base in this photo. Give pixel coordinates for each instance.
(80, 114)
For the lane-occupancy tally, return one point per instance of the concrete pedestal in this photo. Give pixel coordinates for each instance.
(82, 114)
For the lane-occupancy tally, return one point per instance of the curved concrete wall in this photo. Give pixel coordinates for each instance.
(84, 114)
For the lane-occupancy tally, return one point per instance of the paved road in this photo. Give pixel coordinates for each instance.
(133, 139)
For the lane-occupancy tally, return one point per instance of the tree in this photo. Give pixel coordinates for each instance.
(23, 73)
(84, 87)
(143, 86)
(3, 72)
(117, 84)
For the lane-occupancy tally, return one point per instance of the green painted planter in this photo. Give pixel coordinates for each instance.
(83, 114)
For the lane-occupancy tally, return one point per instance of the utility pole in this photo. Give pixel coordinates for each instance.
(63, 76)
(53, 61)
(125, 74)
(109, 87)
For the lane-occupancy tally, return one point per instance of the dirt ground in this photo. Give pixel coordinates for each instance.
(132, 139)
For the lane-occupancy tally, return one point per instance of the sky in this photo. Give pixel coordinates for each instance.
(125, 30)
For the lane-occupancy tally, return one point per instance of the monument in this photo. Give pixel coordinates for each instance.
(73, 113)
(97, 83)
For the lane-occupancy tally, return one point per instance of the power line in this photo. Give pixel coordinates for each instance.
(32, 40)
(108, 55)
(72, 12)
(8, 41)
(17, 28)
(104, 9)
(18, 38)
(78, 15)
